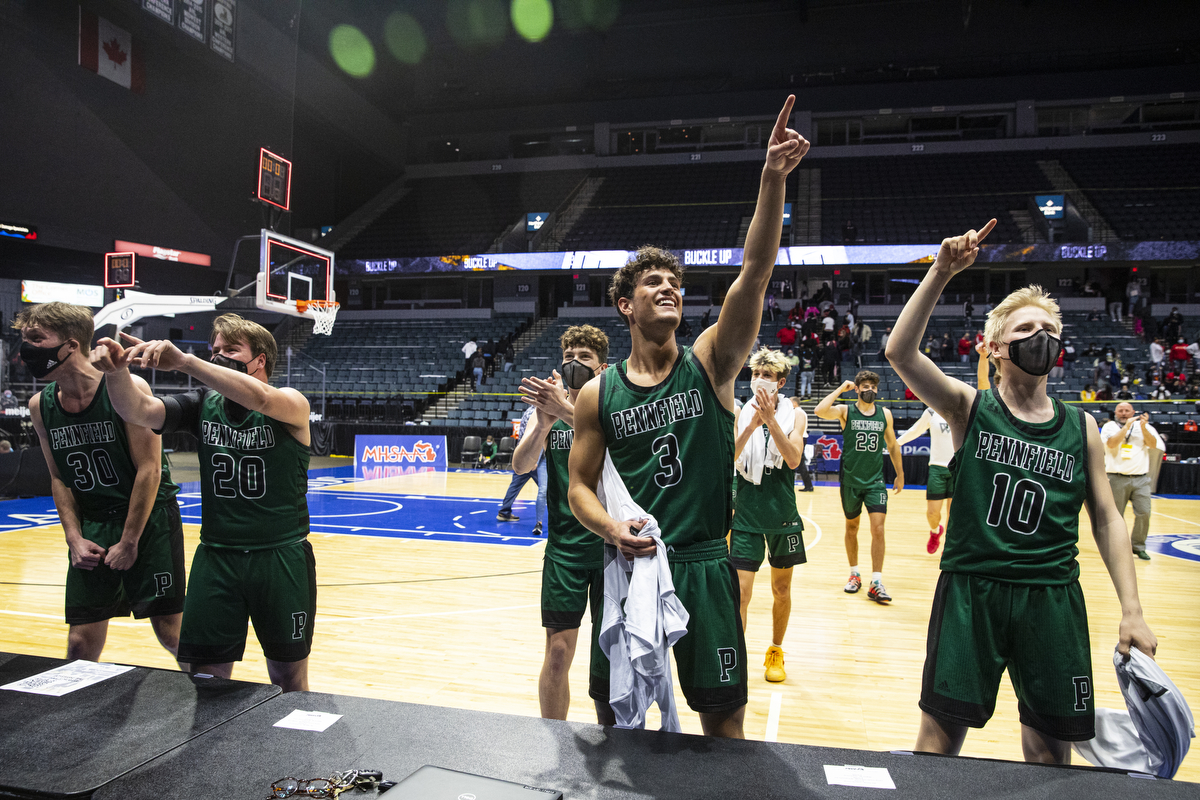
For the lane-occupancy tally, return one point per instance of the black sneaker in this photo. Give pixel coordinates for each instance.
(507, 516)
(537, 529)
(1142, 554)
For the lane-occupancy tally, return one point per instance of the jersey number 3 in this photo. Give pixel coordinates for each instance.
(667, 449)
(1028, 501)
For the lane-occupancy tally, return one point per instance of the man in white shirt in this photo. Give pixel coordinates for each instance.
(1156, 352)
(1127, 443)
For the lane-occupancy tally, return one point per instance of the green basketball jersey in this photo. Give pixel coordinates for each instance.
(1019, 487)
(673, 445)
(862, 447)
(253, 480)
(91, 452)
(769, 507)
(567, 541)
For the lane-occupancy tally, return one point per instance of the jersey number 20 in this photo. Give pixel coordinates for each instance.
(232, 477)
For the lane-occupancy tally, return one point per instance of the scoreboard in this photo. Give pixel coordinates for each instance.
(274, 179)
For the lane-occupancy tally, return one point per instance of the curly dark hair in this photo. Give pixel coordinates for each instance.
(647, 258)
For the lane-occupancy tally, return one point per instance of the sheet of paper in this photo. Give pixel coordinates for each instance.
(850, 775)
(308, 720)
(67, 678)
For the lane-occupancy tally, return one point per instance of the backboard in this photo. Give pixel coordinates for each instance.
(291, 270)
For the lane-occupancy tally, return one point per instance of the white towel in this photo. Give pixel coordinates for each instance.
(642, 617)
(1153, 732)
(758, 453)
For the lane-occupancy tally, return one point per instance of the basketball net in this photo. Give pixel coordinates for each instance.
(323, 313)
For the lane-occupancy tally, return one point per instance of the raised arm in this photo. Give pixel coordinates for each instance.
(133, 405)
(723, 347)
(826, 408)
(792, 446)
(983, 368)
(921, 425)
(889, 438)
(949, 397)
(532, 442)
(586, 466)
(1112, 539)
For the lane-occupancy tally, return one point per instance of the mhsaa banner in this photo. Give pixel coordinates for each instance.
(110, 52)
(392, 456)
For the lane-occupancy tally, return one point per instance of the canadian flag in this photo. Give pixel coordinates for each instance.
(110, 52)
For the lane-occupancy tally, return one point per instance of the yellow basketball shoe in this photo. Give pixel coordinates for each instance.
(774, 665)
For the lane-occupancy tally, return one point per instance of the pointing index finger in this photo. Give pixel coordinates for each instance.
(782, 121)
(985, 231)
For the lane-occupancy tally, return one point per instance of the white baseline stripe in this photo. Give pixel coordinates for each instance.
(1177, 519)
(772, 734)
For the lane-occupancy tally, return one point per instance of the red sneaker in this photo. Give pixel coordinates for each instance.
(935, 539)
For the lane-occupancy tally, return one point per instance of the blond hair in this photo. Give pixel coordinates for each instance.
(997, 318)
(237, 330)
(588, 336)
(67, 320)
(771, 361)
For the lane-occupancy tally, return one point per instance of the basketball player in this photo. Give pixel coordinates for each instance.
(866, 428)
(1009, 591)
(665, 415)
(940, 485)
(573, 567)
(766, 520)
(254, 560)
(111, 484)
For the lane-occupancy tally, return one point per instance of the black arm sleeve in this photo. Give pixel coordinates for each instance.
(182, 412)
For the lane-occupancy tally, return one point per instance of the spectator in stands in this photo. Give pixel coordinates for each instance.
(829, 323)
(487, 452)
(1179, 354)
(1116, 301)
(1133, 295)
(823, 295)
(469, 349)
(1194, 351)
(1090, 290)
(1104, 394)
(1157, 354)
(849, 233)
(477, 365)
(1159, 392)
(786, 335)
(489, 355)
(1088, 394)
(829, 361)
(883, 340)
(772, 306)
(1056, 372)
(796, 315)
(5, 446)
(806, 372)
(1172, 324)
(705, 319)
(947, 348)
(684, 331)
(1069, 354)
(7, 400)
(968, 312)
(1093, 315)
(965, 346)
(509, 357)
(1124, 393)
(933, 349)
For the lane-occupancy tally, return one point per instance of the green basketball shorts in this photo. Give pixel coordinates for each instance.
(783, 550)
(276, 589)
(874, 497)
(980, 627)
(154, 586)
(566, 593)
(940, 484)
(712, 655)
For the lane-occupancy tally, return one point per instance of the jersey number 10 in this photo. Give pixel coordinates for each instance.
(1025, 506)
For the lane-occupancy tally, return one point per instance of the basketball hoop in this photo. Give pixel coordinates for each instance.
(323, 313)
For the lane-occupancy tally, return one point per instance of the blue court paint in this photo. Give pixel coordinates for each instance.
(1177, 545)
(396, 516)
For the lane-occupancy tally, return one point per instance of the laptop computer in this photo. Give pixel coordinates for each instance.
(436, 783)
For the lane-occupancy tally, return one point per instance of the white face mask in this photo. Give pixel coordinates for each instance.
(770, 387)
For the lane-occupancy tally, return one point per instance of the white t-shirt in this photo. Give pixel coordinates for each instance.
(1132, 456)
(829, 323)
(941, 442)
(1156, 353)
(469, 349)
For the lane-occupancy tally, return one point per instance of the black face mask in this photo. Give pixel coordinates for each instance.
(1036, 354)
(867, 397)
(41, 361)
(228, 363)
(575, 374)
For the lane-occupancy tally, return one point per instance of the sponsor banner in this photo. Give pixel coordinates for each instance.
(828, 448)
(391, 456)
(816, 255)
(1051, 205)
(163, 253)
(78, 294)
